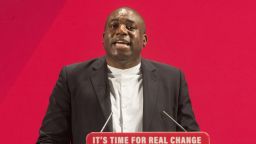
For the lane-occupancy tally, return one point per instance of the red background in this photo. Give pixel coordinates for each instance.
(213, 42)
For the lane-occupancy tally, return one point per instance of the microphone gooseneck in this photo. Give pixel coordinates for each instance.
(106, 122)
(175, 121)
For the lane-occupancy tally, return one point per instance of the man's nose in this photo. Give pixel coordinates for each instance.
(122, 30)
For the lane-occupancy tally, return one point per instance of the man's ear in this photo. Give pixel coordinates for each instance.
(103, 35)
(145, 40)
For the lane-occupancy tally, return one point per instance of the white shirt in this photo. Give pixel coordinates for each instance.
(126, 96)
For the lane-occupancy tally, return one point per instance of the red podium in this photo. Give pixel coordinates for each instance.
(148, 138)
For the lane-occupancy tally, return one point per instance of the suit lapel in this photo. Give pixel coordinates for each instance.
(150, 80)
(100, 85)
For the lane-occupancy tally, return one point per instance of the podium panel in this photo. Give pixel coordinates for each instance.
(148, 138)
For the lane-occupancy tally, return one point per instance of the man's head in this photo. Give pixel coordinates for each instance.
(124, 38)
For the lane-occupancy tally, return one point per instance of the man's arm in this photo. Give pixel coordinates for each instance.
(185, 113)
(56, 127)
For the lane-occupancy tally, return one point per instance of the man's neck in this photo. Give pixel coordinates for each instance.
(122, 64)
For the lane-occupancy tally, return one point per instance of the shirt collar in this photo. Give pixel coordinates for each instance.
(129, 71)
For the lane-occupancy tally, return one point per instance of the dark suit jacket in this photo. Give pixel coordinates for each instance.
(80, 101)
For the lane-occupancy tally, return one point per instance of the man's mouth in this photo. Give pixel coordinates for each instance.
(121, 42)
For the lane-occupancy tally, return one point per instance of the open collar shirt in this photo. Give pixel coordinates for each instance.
(126, 96)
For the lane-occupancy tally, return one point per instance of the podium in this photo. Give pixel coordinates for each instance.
(148, 138)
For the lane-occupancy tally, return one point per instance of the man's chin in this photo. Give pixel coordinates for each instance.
(122, 57)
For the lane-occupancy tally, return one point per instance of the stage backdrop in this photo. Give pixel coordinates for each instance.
(212, 41)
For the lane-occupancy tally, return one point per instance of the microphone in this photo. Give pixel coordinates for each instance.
(106, 122)
(174, 121)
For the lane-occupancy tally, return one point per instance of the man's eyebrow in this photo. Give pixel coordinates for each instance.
(130, 21)
(127, 20)
(113, 20)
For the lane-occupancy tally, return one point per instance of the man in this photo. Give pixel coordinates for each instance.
(133, 91)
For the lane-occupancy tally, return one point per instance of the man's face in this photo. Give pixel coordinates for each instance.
(124, 36)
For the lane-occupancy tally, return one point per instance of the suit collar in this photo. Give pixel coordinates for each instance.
(99, 64)
(147, 65)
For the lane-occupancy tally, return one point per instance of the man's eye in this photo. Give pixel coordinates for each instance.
(131, 28)
(114, 25)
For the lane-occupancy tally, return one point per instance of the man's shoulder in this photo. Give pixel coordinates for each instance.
(162, 67)
(85, 66)
(165, 72)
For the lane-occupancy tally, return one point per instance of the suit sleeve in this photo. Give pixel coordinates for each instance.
(56, 127)
(185, 113)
